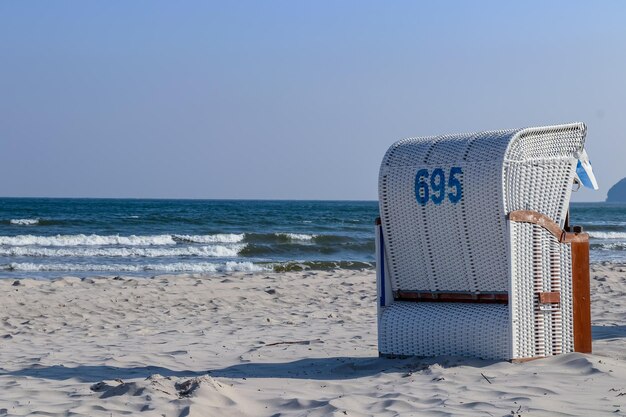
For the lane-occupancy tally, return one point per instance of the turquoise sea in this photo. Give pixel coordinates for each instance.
(81, 237)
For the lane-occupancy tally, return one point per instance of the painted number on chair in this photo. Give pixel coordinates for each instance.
(432, 186)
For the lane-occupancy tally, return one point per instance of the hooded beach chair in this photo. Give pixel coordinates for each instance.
(475, 256)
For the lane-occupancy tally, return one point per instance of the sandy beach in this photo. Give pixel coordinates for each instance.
(277, 344)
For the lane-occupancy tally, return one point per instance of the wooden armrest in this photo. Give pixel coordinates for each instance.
(534, 217)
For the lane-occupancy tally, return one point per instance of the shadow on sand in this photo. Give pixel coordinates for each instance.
(334, 368)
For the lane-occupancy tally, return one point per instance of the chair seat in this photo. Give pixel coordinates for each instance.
(454, 329)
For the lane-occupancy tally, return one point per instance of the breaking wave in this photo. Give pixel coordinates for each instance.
(321, 265)
(168, 268)
(100, 240)
(24, 222)
(608, 235)
(218, 238)
(81, 252)
(294, 250)
(296, 236)
(615, 246)
(181, 267)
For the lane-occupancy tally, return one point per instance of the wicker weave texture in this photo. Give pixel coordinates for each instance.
(538, 265)
(464, 246)
(538, 174)
(457, 329)
(469, 246)
(455, 247)
(560, 142)
(567, 303)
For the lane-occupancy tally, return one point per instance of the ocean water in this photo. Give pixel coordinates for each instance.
(84, 237)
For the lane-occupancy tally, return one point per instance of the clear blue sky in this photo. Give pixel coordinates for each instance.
(288, 99)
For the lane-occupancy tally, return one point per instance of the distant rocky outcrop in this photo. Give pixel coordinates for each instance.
(617, 193)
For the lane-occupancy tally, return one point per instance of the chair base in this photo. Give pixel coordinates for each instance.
(445, 329)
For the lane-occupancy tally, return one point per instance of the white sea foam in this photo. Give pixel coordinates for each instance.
(170, 268)
(611, 246)
(99, 240)
(25, 222)
(217, 238)
(223, 251)
(608, 235)
(86, 240)
(297, 236)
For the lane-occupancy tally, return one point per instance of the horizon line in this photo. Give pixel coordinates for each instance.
(226, 199)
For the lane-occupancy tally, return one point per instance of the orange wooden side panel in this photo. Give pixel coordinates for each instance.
(581, 294)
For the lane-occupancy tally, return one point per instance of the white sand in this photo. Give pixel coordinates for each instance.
(224, 346)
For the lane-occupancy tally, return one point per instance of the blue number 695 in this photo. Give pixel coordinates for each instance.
(432, 187)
